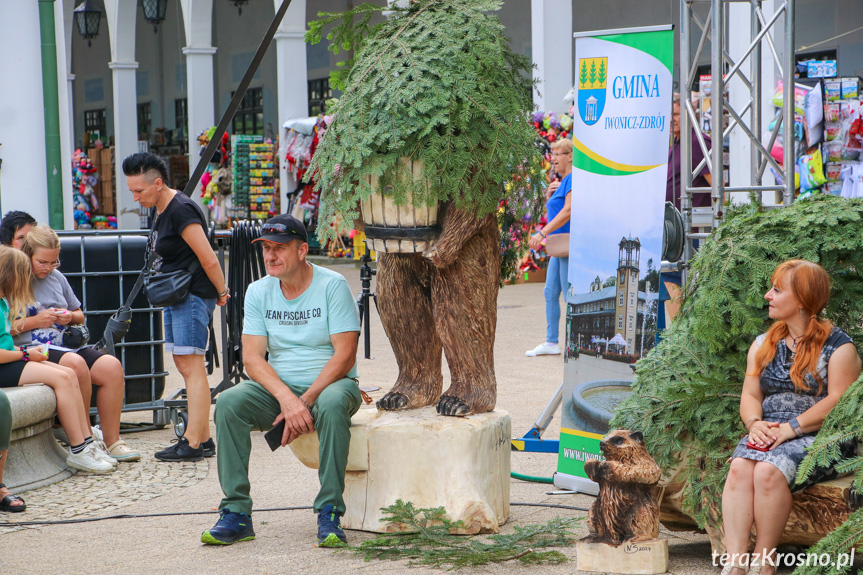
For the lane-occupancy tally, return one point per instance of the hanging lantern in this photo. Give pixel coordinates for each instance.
(239, 4)
(87, 19)
(154, 12)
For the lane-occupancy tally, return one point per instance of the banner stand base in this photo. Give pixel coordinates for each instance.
(575, 484)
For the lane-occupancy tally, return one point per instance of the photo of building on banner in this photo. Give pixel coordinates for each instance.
(621, 133)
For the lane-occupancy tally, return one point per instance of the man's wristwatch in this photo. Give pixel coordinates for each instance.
(795, 425)
(224, 293)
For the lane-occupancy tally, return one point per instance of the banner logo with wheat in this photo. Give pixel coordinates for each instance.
(592, 76)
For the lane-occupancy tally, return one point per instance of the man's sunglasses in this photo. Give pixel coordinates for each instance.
(277, 228)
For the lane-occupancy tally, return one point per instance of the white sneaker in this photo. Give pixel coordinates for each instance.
(86, 461)
(100, 451)
(544, 348)
(96, 432)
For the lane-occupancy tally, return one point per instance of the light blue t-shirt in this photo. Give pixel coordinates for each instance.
(298, 331)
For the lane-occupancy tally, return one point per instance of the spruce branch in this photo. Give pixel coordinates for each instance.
(432, 539)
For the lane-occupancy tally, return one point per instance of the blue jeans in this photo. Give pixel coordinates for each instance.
(187, 326)
(555, 283)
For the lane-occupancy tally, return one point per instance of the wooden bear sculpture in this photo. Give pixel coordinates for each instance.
(444, 300)
(627, 508)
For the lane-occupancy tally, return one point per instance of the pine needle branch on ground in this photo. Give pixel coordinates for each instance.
(432, 540)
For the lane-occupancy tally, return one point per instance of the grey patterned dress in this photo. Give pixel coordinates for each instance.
(781, 403)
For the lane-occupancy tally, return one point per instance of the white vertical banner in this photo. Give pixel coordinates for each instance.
(621, 133)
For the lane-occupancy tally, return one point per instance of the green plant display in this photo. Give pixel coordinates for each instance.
(435, 81)
(687, 390)
(433, 541)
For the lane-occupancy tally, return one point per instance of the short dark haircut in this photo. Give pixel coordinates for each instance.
(144, 162)
(11, 223)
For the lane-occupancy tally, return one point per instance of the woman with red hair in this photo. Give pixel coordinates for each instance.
(786, 396)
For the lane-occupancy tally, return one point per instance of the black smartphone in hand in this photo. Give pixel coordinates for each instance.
(274, 436)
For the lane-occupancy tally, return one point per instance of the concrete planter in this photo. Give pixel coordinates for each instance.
(35, 457)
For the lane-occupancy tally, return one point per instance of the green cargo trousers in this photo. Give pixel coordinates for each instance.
(249, 406)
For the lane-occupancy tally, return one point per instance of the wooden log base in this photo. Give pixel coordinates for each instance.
(647, 557)
(815, 513)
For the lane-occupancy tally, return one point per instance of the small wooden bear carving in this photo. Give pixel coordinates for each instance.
(627, 507)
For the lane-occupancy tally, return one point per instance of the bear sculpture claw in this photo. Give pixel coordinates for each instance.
(449, 405)
(392, 401)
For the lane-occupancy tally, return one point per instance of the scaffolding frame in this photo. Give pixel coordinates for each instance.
(715, 29)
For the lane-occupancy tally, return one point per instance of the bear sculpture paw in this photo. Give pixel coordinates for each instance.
(449, 405)
(393, 401)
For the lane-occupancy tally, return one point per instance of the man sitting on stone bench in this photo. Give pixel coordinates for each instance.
(307, 319)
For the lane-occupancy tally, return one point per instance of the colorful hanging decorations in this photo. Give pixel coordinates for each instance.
(216, 182)
(84, 200)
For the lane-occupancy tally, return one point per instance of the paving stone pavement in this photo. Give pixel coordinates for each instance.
(86, 495)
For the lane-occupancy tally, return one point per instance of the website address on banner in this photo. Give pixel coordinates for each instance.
(653, 122)
(841, 561)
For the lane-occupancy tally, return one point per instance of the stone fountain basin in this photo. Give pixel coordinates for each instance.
(594, 402)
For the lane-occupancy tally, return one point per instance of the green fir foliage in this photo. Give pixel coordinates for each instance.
(687, 390)
(593, 72)
(583, 74)
(602, 72)
(350, 29)
(846, 536)
(433, 540)
(435, 82)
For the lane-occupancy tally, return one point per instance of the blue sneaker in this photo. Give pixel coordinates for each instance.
(230, 528)
(330, 533)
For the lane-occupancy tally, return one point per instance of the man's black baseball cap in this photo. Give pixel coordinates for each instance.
(282, 229)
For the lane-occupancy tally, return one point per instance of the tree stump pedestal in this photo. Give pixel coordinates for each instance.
(459, 463)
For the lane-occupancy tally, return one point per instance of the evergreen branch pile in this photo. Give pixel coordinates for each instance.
(432, 540)
(435, 82)
(687, 390)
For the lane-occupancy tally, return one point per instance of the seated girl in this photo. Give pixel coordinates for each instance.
(22, 366)
(55, 308)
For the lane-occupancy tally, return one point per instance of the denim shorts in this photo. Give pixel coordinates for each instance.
(187, 326)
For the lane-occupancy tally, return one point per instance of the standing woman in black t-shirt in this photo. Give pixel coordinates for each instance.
(180, 242)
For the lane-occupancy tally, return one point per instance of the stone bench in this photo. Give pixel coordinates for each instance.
(35, 457)
(459, 463)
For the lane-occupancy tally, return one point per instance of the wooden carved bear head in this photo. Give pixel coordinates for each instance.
(623, 445)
